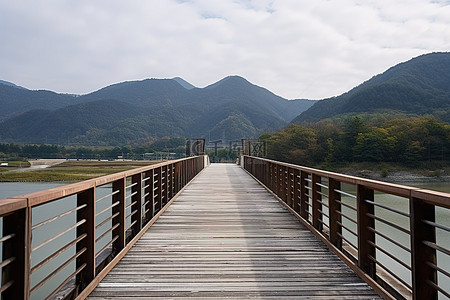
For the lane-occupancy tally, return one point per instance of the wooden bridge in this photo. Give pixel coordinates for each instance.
(260, 230)
(226, 236)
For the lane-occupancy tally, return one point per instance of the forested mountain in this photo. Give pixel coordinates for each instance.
(15, 100)
(72, 123)
(148, 93)
(416, 87)
(135, 111)
(225, 108)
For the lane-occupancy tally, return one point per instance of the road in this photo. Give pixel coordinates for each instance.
(39, 164)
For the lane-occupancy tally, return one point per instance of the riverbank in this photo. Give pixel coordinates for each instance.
(400, 177)
(37, 164)
(62, 170)
(396, 173)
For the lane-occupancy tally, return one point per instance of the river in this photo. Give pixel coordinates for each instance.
(12, 189)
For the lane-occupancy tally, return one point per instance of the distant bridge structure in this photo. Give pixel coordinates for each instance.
(259, 229)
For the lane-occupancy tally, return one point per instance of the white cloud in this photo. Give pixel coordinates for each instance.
(295, 48)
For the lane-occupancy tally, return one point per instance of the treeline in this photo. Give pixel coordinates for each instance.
(408, 141)
(160, 148)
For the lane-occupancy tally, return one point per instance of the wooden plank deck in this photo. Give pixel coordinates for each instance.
(227, 237)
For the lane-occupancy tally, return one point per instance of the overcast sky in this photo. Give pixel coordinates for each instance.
(295, 48)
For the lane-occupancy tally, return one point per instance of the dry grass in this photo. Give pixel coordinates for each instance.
(73, 171)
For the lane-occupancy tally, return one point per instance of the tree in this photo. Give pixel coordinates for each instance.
(374, 145)
(296, 144)
(351, 129)
(413, 154)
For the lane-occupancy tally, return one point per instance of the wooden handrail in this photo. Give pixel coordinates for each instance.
(139, 189)
(301, 189)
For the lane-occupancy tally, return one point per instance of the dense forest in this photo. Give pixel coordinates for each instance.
(408, 141)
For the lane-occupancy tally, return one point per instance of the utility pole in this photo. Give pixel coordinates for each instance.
(215, 146)
(233, 146)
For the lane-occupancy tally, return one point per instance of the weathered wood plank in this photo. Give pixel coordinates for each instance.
(225, 236)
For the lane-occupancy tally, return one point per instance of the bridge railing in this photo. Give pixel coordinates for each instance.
(395, 237)
(63, 241)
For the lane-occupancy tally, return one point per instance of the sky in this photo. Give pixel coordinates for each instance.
(298, 49)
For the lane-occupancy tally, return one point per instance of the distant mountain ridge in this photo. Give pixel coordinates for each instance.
(419, 86)
(11, 84)
(15, 100)
(184, 83)
(134, 111)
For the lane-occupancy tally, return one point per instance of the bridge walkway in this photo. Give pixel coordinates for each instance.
(227, 237)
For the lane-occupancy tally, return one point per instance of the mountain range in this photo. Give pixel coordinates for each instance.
(136, 111)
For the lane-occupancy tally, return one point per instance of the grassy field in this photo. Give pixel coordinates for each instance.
(68, 171)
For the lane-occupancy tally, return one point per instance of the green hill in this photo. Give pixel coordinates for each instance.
(15, 100)
(69, 123)
(418, 87)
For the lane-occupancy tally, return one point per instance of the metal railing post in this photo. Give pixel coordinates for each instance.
(266, 171)
(365, 250)
(119, 220)
(422, 273)
(172, 181)
(159, 197)
(316, 206)
(334, 212)
(164, 185)
(303, 192)
(177, 177)
(290, 188)
(286, 184)
(87, 259)
(16, 274)
(296, 183)
(137, 197)
(277, 180)
(271, 176)
(148, 191)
